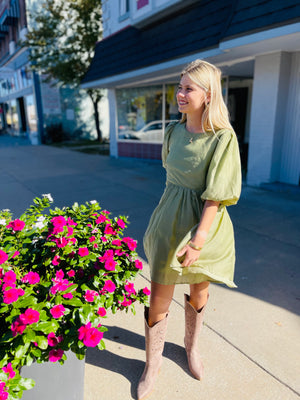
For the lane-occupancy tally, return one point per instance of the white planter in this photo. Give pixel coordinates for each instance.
(55, 381)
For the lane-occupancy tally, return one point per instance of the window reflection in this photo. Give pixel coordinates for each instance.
(140, 112)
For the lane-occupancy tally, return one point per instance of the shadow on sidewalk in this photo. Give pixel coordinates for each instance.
(131, 369)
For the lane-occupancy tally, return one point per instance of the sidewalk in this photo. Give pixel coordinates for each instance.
(250, 342)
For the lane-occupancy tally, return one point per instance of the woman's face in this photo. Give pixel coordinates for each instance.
(190, 97)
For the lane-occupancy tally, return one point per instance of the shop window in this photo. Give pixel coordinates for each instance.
(171, 106)
(140, 114)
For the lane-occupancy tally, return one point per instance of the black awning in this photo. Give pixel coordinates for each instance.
(191, 30)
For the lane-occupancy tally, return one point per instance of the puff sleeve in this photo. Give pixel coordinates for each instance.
(223, 179)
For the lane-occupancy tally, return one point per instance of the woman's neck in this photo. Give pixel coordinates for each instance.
(194, 123)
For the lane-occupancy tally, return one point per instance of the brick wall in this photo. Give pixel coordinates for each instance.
(140, 150)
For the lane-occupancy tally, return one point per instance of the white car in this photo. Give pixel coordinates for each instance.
(151, 132)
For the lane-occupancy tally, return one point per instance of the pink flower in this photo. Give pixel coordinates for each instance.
(30, 316)
(71, 273)
(126, 302)
(138, 264)
(92, 239)
(3, 394)
(146, 291)
(68, 296)
(10, 296)
(108, 230)
(110, 264)
(55, 260)
(89, 335)
(104, 239)
(61, 242)
(54, 340)
(108, 254)
(101, 219)
(109, 286)
(70, 231)
(73, 240)
(60, 274)
(17, 327)
(10, 278)
(116, 242)
(129, 287)
(60, 285)
(101, 311)
(9, 370)
(121, 223)
(16, 225)
(90, 295)
(57, 311)
(119, 252)
(55, 354)
(16, 254)
(130, 243)
(31, 278)
(83, 251)
(71, 222)
(59, 223)
(3, 257)
(83, 330)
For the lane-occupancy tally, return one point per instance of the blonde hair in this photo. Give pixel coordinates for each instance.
(215, 115)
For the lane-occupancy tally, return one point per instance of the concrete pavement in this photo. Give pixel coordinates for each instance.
(250, 342)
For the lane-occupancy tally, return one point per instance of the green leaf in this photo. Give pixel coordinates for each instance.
(24, 302)
(22, 384)
(36, 352)
(42, 342)
(73, 302)
(101, 345)
(47, 326)
(22, 350)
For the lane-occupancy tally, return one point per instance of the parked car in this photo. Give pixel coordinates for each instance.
(151, 132)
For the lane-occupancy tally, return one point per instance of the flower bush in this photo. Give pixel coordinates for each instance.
(60, 272)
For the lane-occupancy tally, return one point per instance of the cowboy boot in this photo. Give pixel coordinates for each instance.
(155, 340)
(193, 325)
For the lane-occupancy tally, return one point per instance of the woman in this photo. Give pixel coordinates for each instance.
(190, 236)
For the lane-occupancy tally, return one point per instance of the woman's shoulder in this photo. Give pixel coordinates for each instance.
(226, 134)
(172, 124)
(225, 131)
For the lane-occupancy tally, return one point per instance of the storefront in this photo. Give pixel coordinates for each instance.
(257, 52)
(17, 108)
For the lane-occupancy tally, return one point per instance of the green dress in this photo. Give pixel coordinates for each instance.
(199, 166)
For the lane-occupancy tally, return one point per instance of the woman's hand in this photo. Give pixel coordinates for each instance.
(190, 255)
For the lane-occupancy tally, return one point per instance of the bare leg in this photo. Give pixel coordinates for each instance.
(160, 300)
(199, 295)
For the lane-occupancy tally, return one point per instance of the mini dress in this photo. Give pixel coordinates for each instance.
(199, 167)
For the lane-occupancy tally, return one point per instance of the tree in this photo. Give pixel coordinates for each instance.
(61, 41)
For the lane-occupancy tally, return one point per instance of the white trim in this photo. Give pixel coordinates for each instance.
(153, 68)
(260, 36)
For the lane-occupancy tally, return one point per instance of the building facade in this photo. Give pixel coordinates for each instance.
(28, 105)
(255, 43)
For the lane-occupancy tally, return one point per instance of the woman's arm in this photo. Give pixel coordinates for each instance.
(192, 250)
